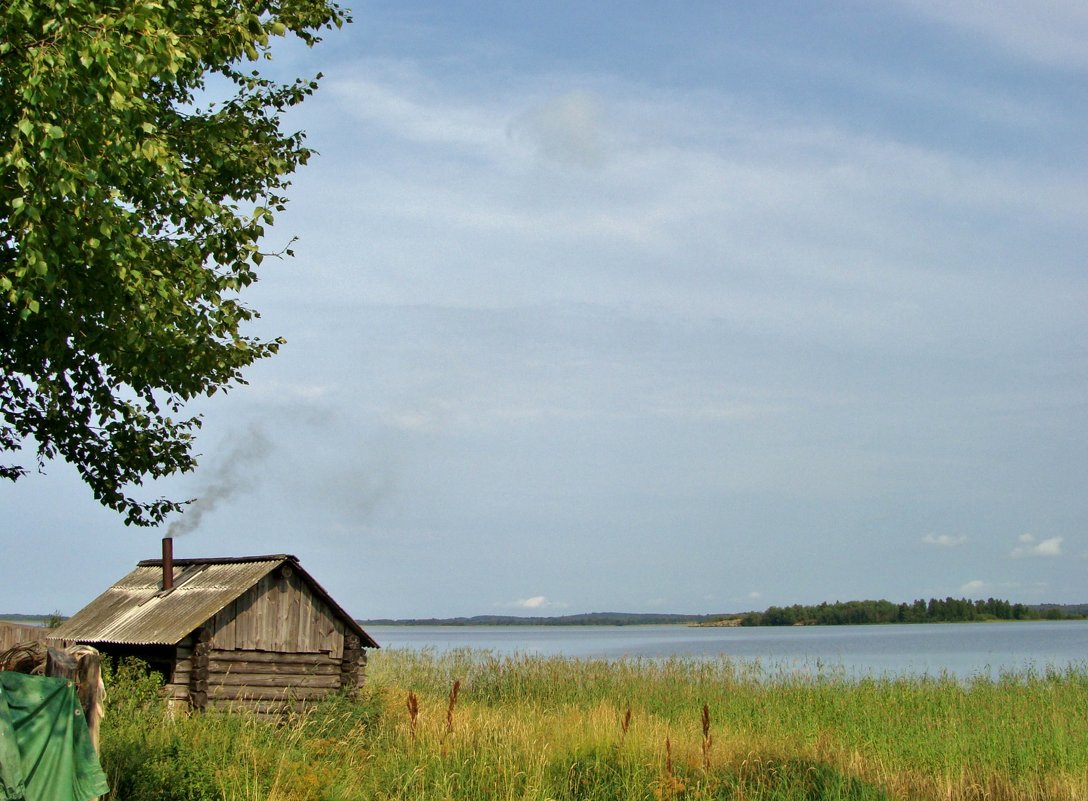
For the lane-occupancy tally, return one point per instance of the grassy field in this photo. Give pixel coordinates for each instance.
(472, 726)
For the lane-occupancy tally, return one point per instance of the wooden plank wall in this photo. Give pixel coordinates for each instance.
(268, 682)
(11, 634)
(279, 614)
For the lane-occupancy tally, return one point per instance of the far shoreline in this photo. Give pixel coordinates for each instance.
(864, 613)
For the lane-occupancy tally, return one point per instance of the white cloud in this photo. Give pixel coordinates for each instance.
(1030, 546)
(415, 420)
(944, 540)
(747, 201)
(1046, 31)
(287, 390)
(404, 104)
(1049, 547)
(567, 130)
(973, 587)
(538, 602)
(712, 222)
(694, 214)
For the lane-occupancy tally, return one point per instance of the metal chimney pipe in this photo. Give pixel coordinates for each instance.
(167, 563)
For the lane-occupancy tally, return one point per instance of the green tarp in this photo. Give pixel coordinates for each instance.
(45, 748)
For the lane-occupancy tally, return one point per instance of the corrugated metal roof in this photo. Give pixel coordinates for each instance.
(135, 611)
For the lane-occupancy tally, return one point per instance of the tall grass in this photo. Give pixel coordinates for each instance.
(469, 725)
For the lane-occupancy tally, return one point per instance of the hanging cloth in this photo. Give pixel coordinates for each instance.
(45, 748)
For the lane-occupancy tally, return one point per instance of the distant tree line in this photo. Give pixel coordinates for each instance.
(934, 610)
(585, 619)
(838, 613)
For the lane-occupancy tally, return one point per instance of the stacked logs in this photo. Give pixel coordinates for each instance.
(198, 675)
(352, 663)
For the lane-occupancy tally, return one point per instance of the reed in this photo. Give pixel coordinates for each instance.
(413, 713)
(451, 704)
(544, 728)
(708, 739)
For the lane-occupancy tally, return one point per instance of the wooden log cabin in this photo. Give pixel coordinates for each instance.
(253, 632)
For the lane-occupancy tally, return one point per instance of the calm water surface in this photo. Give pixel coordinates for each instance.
(960, 649)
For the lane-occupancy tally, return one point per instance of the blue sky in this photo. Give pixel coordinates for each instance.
(684, 307)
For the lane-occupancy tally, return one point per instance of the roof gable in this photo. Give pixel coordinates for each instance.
(136, 611)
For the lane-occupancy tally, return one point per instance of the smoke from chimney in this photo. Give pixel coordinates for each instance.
(228, 477)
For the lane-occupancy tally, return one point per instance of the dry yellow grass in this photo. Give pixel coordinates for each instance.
(559, 730)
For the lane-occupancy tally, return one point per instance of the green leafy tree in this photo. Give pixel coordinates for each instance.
(131, 211)
(866, 612)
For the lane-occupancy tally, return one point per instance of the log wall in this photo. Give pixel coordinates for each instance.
(177, 689)
(269, 682)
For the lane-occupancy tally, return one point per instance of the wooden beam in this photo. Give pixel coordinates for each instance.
(274, 656)
(282, 683)
(218, 667)
(221, 693)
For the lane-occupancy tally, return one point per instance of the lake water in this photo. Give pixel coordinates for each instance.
(959, 649)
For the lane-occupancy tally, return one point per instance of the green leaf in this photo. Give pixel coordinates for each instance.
(127, 226)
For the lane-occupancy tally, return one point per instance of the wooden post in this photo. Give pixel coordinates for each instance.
(198, 675)
(90, 689)
(60, 664)
(82, 666)
(349, 663)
